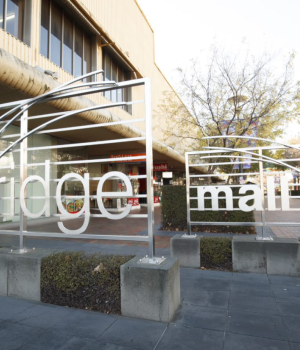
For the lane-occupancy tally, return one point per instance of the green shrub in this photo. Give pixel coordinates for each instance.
(69, 279)
(295, 193)
(174, 212)
(216, 253)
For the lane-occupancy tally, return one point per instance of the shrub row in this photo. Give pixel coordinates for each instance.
(216, 253)
(92, 282)
(83, 281)
(174, 212)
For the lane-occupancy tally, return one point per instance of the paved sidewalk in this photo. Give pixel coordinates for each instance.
(220, 311)
(283, 216)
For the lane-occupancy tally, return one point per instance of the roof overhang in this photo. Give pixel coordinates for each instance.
(19, 80)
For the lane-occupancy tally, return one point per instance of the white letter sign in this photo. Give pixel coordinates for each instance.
(101, 194)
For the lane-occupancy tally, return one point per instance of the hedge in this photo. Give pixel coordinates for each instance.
(216, 253)
(83, 281)
(295, 193)
(174, 212)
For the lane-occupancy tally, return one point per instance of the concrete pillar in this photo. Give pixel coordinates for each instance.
(283, 257)
(186, 249)
(20, 274)
(248, 255)
(150, 291)
(278, 257)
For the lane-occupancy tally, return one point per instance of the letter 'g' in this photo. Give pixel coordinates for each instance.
(86, 206)
(101, 194)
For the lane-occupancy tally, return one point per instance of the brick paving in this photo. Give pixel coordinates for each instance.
(103, 226)
(133, 226)
(284, 216)
(219, 311)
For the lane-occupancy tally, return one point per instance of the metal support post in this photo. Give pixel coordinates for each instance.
(187, 176)
(23, 175)
(149, 169)
(261, 178)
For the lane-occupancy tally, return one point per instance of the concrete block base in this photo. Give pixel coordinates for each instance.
(150, 291)
(278, 257)
(283, 257)
(186, 249)
(248, 255)
(20, 274)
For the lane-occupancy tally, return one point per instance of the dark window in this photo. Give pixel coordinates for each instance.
(45, 28)
(12, 20)
(1, 13)
(56, 31)
(114, 71)
(78, 52)
(68, 45)
(87, 55)
(63, 41)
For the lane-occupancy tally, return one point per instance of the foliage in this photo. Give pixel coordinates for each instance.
(174, 213)
(216, 253)
(70, 279)
(229, 96)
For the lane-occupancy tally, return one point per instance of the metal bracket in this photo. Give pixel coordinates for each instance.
(21, 251)
(264, 238)
(189, 236)
(154, 261)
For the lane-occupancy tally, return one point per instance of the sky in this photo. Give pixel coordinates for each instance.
(186, 29)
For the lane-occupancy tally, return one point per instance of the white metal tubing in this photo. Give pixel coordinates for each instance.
(274, 161)
(225, 223)
(10, 136)
(217, 174)
(24, 105)
(149, 168)
(252, 138)
(264, 158)
(224, 163)
(187, 184)
(94, 143)
(244, 157)
(88, 161)
(23, 174)
(112, 178)
(62, 95)
(78, 236)
(65, 115)
(81, 197)
(21, 103)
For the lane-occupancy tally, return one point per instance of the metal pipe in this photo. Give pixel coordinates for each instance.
(187, 184)
(23, 175)
(149, 169)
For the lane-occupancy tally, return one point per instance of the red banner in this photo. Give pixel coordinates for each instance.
(160, 167)
(134, 201)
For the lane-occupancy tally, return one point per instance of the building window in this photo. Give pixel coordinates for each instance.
(113, 70)
(12, 17)
(63, 41)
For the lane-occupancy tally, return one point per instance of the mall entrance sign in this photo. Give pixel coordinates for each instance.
(259, 191)
(20, 170)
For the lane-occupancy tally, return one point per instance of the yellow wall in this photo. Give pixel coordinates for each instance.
(122, 22)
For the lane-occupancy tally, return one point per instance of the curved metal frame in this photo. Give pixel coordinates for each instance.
(213, 152)
(66, 91)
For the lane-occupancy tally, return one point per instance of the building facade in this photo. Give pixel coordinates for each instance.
(45, 43)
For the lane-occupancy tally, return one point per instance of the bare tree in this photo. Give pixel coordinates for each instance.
(230, 95)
